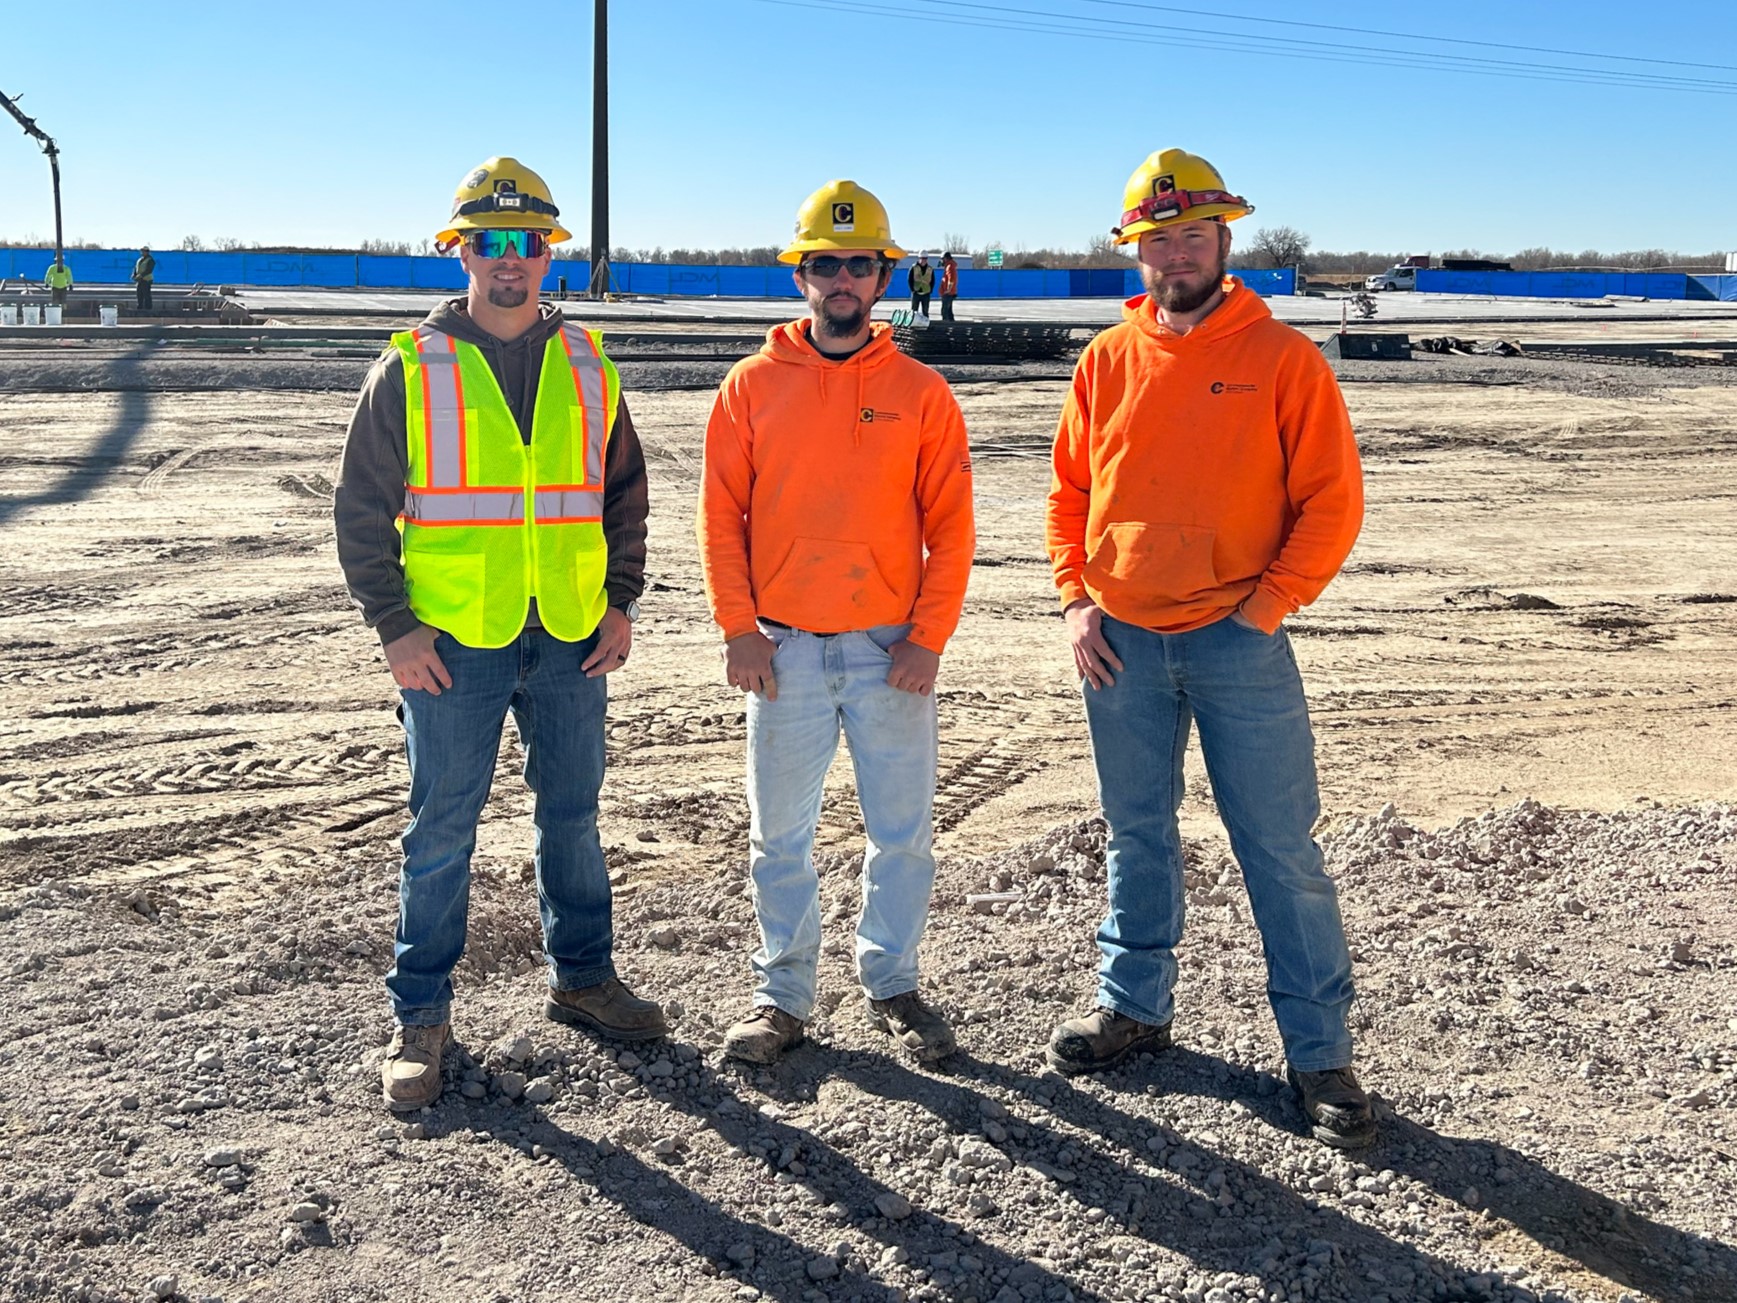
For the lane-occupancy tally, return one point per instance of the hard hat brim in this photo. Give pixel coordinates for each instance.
(1229, 212)
(504, 222)
(820, 244)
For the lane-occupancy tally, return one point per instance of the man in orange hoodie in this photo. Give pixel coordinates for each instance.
(1206, 485)
(836, 537)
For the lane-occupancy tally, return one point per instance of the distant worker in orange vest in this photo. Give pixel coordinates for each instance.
(1206, 485)
(836, 539)
(949, 285)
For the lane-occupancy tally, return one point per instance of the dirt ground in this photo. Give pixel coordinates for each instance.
(1522, 686)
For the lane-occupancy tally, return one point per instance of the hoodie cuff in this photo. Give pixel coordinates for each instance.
(926, 639)
(1071, 591)
(393, 627)
(1265, 609)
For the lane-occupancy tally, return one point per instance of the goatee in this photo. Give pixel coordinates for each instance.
(841, 322)
(503, 297)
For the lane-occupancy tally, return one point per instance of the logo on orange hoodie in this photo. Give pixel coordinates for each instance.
(870, 415)
(1220, 387)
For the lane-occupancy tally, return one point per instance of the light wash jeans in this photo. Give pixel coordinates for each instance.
(452, 741)
(823, 683)
(1243, 689)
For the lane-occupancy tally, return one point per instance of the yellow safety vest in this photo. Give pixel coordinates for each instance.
(490, 522)
(58, 278)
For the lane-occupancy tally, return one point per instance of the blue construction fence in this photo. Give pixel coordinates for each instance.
(1578, 285)
(371, 271)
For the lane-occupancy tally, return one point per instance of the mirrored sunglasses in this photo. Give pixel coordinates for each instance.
(497, 244)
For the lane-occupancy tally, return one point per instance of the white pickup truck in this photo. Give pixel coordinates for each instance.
(1394, 278)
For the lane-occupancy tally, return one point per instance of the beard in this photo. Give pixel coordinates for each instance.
(503, 297)
(1174, 296)
(841, 318)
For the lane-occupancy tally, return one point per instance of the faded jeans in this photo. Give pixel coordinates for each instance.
(825, 684)
(1243, 689)
(452, 741)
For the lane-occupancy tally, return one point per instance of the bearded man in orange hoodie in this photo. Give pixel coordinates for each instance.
(836, 537)
(1206, 485)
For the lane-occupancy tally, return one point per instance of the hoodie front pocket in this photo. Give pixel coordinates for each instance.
(1167, 562)
(827, 574)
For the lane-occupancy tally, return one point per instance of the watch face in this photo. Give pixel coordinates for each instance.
(631, 611)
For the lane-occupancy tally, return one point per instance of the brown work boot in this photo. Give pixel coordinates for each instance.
(609, 1008)
(920, 1031)
(1337, 1107)
(1102, 1039)
(763, 1035)
(410, 1076)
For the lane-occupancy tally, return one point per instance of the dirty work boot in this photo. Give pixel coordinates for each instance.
(410, 1076)
(919, 1030)
(1336, 1106)
(1102, 1039)
(763, 1035)
(609, 1008)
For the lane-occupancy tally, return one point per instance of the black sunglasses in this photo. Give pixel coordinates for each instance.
(862, 266)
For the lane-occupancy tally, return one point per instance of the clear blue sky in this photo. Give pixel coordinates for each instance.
(325, 123)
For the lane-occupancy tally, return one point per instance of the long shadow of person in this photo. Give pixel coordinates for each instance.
(778, 1264)
(88, 469)
(1591, 1230)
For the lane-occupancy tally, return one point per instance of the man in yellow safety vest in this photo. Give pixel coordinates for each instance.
(491, 514)
(58, 280)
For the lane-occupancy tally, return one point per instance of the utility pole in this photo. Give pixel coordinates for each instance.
(600, 152)
(10, 104)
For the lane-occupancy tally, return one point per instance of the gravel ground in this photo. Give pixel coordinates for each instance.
(1548, 1015)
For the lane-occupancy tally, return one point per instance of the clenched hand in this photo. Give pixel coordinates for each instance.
(748, 664)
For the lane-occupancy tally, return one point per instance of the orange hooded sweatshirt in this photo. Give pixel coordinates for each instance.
(1199, 473)
(836, 495)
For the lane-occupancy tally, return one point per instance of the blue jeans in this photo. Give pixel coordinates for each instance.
(452, 741)
(1243, 689)
(825, 683)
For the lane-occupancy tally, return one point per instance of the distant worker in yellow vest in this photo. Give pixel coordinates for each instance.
(58, 280)
(491, 513)
(922, 278)
(144, 272)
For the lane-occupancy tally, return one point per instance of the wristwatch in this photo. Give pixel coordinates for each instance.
(631, 611)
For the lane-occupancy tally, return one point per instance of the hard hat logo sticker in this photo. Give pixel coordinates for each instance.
(476, 178)
(1164, 185)
(844, 217)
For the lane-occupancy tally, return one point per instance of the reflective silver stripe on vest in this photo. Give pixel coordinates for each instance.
(569, 504)
(443, 402)
(590, 380)
(481, 507)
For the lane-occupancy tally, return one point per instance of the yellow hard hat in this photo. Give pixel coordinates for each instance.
(503, 192)
(841, 215)
(1175, 186)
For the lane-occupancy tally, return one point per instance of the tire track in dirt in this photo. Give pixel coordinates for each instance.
(984, 774)
(222, 771)
(151, 485)
(127, 658)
